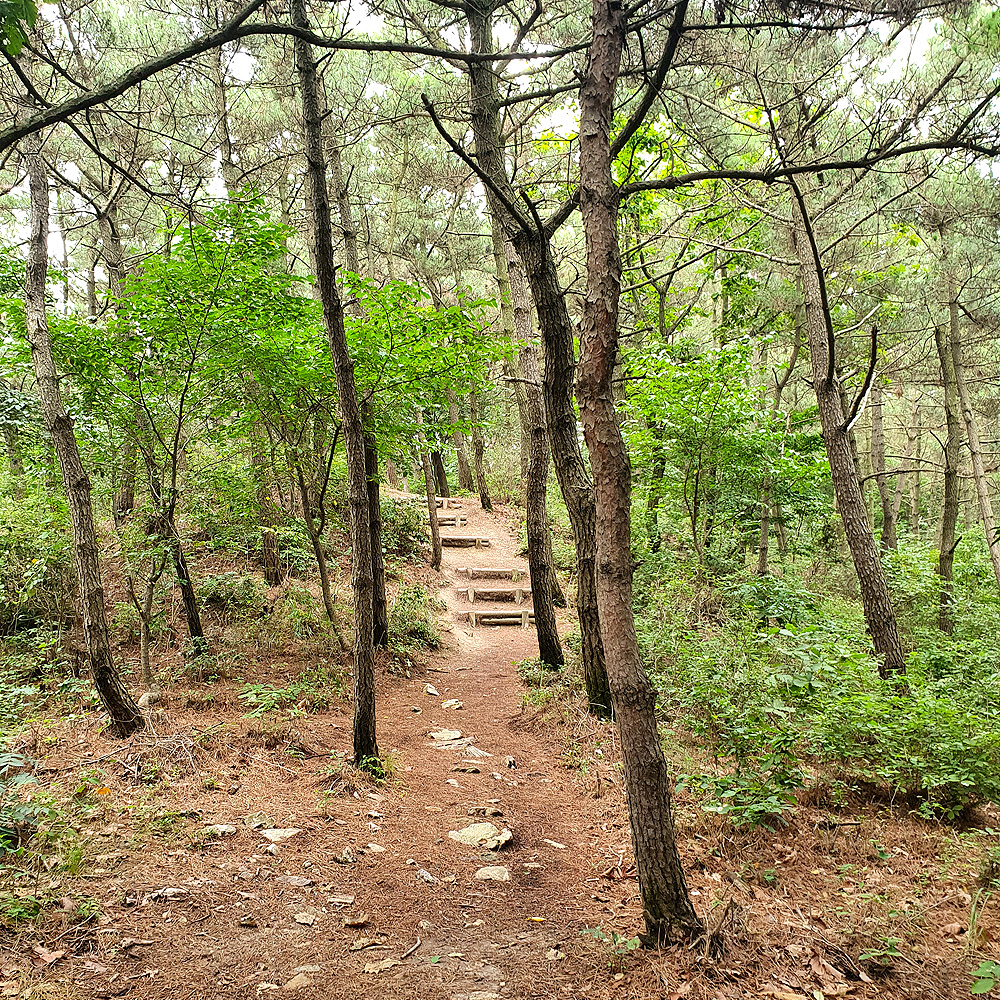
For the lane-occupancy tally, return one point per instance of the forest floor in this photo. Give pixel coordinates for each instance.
(371, 897)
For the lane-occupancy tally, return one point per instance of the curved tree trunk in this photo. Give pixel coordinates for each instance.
(666, 902)
(534, 248)
(115, 697)
(366, 754)
(880, 616)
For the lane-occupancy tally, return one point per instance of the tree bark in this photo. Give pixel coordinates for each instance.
(885, 493)
(666, 902)
(465, 480)
(949, 504)
(380, 609)
(366, 753)
(115, 697)
(533, 246)
(440, 476)
(268, 511)
(536, 483)
(876, 599)
(478, 447)
(976, 451)
(432, 508)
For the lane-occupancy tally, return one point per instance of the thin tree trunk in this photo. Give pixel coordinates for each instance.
(432, 511)
(537, 482)
(885, 494)
(949, 505)
(465, 480)
(666, 902)
(976, 451)
(478, 447)
(380, 610)
(115, 697)
(366, 754)
(534, 248)
(500, 258)
(440, 476)
(906, 466)
(876, 599)
(917, 456)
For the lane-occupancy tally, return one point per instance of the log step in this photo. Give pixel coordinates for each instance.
(516, 594)
(522, 618)
(492, 572)
(449, 520)
(465, 541)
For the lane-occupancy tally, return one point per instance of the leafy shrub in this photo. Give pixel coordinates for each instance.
(315, 688)
(412, 620)
(775, 599)
(37, 578)
(231, 591)
(16, 815)
(404, 533)
(917, 744)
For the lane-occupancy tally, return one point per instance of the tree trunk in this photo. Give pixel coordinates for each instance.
(949, 505)
(875, 596)
(465, 480)
(906, 466)
(976, 451)
(533, 246)
(432, 507)
(537, 482)
(366, 754)
(189, 598)
(540, 567)
(666, 903)
(268, 511)
(478, 447)
(380, 611)
(501, 261)
(124, 713)
(440, 476)
(885, 493)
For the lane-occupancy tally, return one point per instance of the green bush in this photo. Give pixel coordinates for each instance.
(404, 533)
(413, 620)
(919, 744)
(37, 577)
(232, 592)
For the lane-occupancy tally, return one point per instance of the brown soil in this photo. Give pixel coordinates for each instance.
(185, 916)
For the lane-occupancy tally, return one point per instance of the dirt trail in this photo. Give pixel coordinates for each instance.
(228, 917)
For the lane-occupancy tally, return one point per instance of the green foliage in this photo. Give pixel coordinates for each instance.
(17, 18)
(404, 533)
(413, 620)
(16, 814)
(238, 593)
(762, 786)
(37, 579)
(986, 978)
(316, 688)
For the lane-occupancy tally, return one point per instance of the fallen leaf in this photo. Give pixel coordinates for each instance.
(305, 918)
(46, 957)
(953, 930)
(356, 920)
(386, 963)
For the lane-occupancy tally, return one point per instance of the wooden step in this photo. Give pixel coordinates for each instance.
(515, 594)
(492, 572)
(449, 520)
(522, 618)
(465, 541)
(448, 502)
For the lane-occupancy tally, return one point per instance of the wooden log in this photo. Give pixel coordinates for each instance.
(515, 594)
(491, 572)
(464, 541)
(522, 618)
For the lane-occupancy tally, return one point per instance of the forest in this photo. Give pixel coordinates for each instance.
(497, 499)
